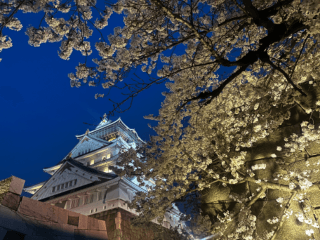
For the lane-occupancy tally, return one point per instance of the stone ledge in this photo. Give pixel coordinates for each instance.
(38, 210)
(12, 184)
(11, 200)
(16, 185)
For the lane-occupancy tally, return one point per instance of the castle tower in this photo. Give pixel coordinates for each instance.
(82, 182)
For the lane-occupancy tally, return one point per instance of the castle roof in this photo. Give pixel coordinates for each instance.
(106, 124)
(73, 170)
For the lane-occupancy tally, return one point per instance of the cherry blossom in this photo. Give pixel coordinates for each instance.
(241, 111)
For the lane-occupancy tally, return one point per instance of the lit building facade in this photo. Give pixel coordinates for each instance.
(82, 182)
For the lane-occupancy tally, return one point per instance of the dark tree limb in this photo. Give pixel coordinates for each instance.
(255, 198)
(231, 20)
(213, 94)
(274, 8)
(258, 19)
(267, 60)
(276, 33)
(295, 64)
(283, 216)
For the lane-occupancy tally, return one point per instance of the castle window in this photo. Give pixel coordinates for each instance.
(66, 185)
(111, 139)
(100, 195)
(53, 189)
(75, 182)
(70, 183)
(86, 199)
(62, 186)
(75, 203)
(107, 170)
(58, 187)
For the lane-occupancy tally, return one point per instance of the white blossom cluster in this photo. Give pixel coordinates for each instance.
(273, 220)
(259, 166)
(241, 198)
(270, 234)
(309, 232)
(246, 226)
(62, 21)
(301, 218)
(226, 218)
(287, 213)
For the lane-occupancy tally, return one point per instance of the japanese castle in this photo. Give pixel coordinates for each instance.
(82, 182)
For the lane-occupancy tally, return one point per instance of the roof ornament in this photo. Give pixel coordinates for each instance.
(87, 132)
(104, 121)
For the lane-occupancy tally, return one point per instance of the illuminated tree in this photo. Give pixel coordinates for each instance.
(246, 140)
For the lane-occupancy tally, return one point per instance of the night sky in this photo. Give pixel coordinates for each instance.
(41, 113)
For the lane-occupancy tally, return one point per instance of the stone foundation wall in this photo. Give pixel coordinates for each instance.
(119, 227)
(27, 219)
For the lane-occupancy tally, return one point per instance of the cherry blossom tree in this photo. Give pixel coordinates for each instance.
(238, 130)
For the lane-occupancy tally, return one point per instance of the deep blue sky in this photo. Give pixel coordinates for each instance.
(41, 113)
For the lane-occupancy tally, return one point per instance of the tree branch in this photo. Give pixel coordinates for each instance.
(282, 217)
(270, 185)
(294, 67)
(253, 200)
(196, 33)
(274, 8)
(213, 94)
(258, 19)
(231, 20)
(267, 60)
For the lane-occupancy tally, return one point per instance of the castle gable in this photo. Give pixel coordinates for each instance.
(87, 144)
(70, 176)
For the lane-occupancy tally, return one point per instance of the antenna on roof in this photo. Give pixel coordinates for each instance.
(104, 117)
